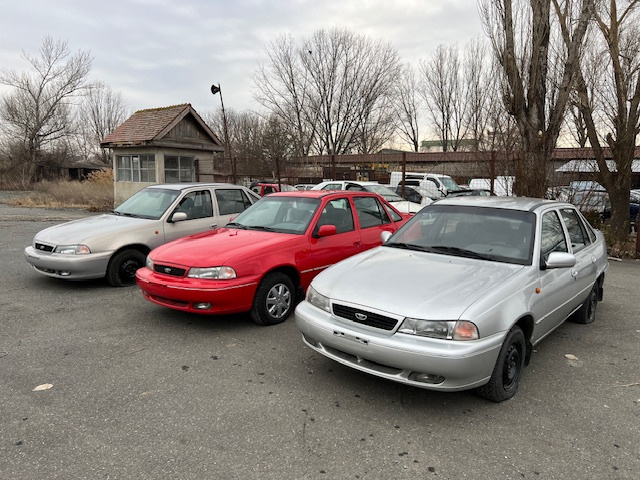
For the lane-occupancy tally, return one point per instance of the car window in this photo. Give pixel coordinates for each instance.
(337, 212)
(231, 200)
(370, 212)
(577, 232)
(278, 214)
(552, 238)
(148, 203)
(332, 186)
(396, 217)
(355, 187)
(196, 205)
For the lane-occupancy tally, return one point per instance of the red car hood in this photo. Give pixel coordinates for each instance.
(220, 247)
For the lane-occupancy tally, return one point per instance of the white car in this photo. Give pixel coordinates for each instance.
(460, 295)
(115, 245)
(389, 195)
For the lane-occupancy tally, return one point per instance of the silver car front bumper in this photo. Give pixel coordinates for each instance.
(68, 267)
(399, 357)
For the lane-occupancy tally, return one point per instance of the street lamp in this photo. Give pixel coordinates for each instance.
(216, 89)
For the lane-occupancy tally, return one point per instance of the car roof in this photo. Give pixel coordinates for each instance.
(184, 186)
(511, 203)
(322, 193)
(357, 182)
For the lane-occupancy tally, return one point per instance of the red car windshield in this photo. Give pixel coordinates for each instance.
(278, 214)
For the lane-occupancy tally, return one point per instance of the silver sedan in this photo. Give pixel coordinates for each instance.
(115, 245)
(459, 296)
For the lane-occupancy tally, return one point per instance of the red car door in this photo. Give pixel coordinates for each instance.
(373, 219)
(325, 251)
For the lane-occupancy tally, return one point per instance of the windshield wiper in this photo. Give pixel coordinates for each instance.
(260, 227)
(407, 246)
(461, 252)
(236, 225)
(126, 214)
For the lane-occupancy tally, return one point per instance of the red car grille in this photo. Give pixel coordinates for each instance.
(168, 301)
(365, 318)
(167, 270)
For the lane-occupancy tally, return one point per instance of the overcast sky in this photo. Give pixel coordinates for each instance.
(166, 52)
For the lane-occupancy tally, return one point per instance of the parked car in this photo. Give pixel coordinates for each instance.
(263, 189)
(415, 194)
(460, 295)
(268, 255)
(389, 195)
(114, 245)
(438, 185)
(304, 186)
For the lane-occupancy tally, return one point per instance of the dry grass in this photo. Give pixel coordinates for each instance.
(94, 194)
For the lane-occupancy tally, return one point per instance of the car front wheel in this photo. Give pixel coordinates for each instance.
(508, 369)
(274, 299)
(123, 266)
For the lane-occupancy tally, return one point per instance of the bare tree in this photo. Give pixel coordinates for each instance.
(443, 91)
(615, 99)
(100, 113)
(407, 106)
(537, 85)
(37, 111)
(479, 89)
(330, 89)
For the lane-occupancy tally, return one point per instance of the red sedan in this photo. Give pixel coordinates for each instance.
(266, 257)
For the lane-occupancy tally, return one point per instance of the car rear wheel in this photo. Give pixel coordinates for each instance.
(587, 312)
(123, 266)
(274, 299)
(508, 369)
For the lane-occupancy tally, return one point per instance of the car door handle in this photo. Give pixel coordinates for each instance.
(213, 225)
(356, 244)
(574, 273)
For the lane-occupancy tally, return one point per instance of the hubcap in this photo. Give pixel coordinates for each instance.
(129, 269)
(511, 367)
(278, 301)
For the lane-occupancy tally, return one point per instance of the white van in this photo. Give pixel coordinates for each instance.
(436, 184)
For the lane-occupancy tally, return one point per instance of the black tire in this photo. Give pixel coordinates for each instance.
(587, 312)
(508, 369)
(274, 300)
(123, 266)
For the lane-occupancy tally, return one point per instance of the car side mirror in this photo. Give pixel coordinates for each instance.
(178, 217)
(327, 230)
(384, 236)
(560, 260)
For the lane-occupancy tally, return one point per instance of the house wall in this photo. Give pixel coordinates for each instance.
(123, 190)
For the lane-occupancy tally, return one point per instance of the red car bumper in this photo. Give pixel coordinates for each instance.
(197, 296)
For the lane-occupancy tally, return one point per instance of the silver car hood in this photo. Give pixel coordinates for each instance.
(413, 284)
(102, 226)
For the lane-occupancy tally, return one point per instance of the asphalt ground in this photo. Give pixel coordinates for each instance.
(144, 392)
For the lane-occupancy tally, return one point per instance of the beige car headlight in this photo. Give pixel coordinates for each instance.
(445, 329)
(72, 249)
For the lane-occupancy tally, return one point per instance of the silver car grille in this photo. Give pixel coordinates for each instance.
(364, 318)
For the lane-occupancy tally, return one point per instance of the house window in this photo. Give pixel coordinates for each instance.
(136, 168)
(179, 169)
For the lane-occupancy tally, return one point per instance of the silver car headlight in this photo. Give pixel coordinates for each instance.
(318, 300)
(212, 273)
(445, 329)
(72, 249)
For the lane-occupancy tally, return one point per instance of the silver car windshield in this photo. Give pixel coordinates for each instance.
(148, 203)
(278, 214)
(484, 233)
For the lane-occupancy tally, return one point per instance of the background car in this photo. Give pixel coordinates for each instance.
(460, 295)
(415, 194)
(304, 186)
(389, 195)
(268, 255)
(114, 245)
(263, 189)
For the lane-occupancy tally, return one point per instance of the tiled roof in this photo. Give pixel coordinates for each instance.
(151, 124)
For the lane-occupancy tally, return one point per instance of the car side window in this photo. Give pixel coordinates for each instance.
(337, 212)
(577, 232)
(354, 187)
(231, 200)
(196, 205)
(332, 186)
(552, 238)
(370, 212)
